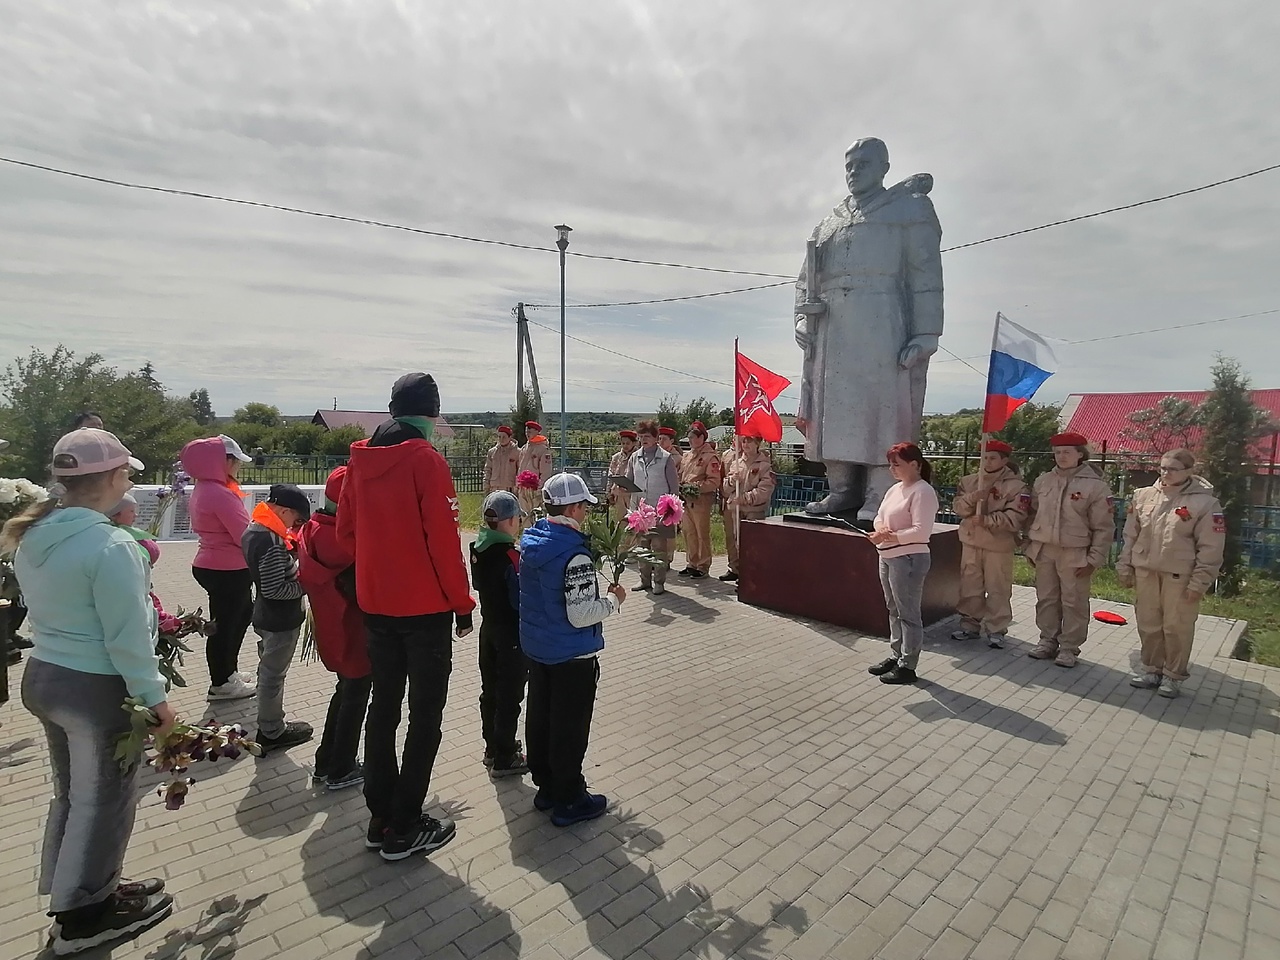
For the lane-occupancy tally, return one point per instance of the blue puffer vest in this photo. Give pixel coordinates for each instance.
(545, 632)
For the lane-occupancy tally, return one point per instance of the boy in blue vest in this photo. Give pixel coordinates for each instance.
(561, 611)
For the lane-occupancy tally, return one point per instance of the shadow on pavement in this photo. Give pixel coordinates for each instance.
(951, 704)
(213, 935)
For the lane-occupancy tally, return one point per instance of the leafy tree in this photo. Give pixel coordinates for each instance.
(671, 415)
(525, 410)
(201, 407)
(1232, 424)
(251, 436)
(337, 443)
(1170, 424)
(724, 418)
(303, 439)
(1028, 432)
(700, 409)
(263, 413)
(42, 392)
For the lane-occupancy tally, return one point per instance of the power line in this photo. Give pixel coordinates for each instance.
(640, 303)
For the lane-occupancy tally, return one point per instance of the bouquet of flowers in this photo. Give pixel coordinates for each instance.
(169, 646)
(17, 495)
(689, 492)
(608, 535)
(186, 744)
(529, 480)
(166, 497)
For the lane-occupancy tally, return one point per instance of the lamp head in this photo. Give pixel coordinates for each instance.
(562, 235)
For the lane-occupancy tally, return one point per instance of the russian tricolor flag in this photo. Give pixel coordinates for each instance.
(1020, 362)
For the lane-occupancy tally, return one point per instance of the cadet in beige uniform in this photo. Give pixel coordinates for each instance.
(1173, 541)
(748, 488)
(501, 463)
(535, 455)
(1072, 528)
(667, 441)
(992, 505)
(619, 498)
(701, 468)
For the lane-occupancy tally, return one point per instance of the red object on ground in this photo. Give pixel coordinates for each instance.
(1106, 616)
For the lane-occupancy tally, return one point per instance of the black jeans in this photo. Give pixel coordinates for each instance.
(342, 726)
(417, 651)
(231, 609)
(558, 725)
(503, 672)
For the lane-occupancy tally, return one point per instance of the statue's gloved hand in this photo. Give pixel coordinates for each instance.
(803, 338)
(917, 350)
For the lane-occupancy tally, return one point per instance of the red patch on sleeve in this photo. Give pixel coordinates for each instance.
(1076, 495)
(1219, 523)
(1024, 499)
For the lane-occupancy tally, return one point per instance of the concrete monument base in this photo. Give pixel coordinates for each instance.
(832, 574)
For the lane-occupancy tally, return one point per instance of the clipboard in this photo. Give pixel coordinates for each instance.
(624, 483)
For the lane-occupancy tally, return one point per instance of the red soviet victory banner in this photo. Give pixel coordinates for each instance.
(755, 389)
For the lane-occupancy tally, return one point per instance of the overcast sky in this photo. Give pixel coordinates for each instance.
(708, 132)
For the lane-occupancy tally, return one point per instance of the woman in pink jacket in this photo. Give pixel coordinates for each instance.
(903, 526)
(218, 516)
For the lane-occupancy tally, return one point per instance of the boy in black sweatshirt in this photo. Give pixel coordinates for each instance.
(270, 551)
(495, 568)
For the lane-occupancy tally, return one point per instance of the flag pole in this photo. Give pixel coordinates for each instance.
(737, 450)
(983, 486)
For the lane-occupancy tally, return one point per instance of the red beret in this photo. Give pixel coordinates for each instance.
(667, 431)
(697, 427)
(999, 446)
(627, 434)
(504, 429)
(1069, 440)
(532, 425)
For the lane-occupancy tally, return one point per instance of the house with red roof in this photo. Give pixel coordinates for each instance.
(367, 420)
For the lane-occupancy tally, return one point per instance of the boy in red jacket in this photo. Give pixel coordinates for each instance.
(399, 518)
(327, 572)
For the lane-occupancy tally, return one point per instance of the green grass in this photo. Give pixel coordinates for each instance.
(1258, 603)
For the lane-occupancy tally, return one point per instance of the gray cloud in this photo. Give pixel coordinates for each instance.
(706, 133)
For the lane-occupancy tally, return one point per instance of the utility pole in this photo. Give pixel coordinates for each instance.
(562, 241)
(519, 315)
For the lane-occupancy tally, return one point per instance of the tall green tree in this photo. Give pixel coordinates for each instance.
(700, 409)
(262, 413)
(522, 412)
(1232, 424)
(201, 407)
(1028, 432)
(671, 414)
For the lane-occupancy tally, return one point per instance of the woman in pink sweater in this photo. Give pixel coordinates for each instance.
(218, 516)
(902, 530)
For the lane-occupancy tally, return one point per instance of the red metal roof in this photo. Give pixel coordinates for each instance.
(1101, 416)
(367, 420)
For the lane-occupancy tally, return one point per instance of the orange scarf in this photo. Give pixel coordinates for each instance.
(264, 516)
(235, 488)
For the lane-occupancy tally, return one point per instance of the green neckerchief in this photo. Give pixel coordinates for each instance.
(134, 532)
(488, 536)
(424, 425)
(330, 506)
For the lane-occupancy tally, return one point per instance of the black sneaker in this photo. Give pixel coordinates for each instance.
(14, 658)
(488, 757)
(728, 577)
(880, 669)
(590, 806)
(900, 675)
(140, 888)
(424, 836)
(698, 575)
(687, 572)
(295, 732)
(319, 779)
(541, 802)
(513, 766)
(375, 834)
(20, 643)
(353, 778)
(965, 635)
(641, 587)
(124, 917)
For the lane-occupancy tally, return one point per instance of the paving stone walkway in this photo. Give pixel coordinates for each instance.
(768, 799)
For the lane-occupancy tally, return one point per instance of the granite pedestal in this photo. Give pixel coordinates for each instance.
(833, 575)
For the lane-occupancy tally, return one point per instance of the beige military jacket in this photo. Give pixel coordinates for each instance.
(753, 482)
(1180, 531)
(501, 464)
(1072, 508)
(618, 468)
(538, 458)
(702, 468)
(1003, 518)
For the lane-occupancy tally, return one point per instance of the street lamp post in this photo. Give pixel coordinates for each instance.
(562, 241)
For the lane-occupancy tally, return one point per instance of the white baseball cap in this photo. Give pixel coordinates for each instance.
(566, 488)
(89, 450)
(233, 449)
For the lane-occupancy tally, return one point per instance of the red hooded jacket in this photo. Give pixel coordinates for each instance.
(399, 518)
(335, 618)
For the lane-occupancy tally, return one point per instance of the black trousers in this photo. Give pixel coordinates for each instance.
(231, 609)
(503, 673)
(343, 725)
(416, 652)
(562, 697)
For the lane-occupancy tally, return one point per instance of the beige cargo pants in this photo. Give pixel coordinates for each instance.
(1166, 622)
(986, 590)
(1062, 598)
(697, 533)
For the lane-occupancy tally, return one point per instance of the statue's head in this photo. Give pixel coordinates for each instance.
(865, 165)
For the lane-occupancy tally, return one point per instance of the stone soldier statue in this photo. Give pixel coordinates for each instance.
(868, 317)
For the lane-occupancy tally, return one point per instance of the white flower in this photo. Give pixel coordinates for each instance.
(8, 490)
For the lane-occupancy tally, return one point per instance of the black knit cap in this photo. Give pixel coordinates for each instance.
(289, 495)
(415, 395)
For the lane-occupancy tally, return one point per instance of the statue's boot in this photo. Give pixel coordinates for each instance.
(842, 480)
(879, 480)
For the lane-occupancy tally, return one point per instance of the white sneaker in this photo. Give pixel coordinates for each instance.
(250, 678)
(233, 689)
(1145, 681)
(1170, 688)
(995, 641)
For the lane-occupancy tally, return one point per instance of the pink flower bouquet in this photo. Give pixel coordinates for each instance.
(528, 480)
(607, 536)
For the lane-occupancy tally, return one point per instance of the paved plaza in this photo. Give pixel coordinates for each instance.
(768, 798)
